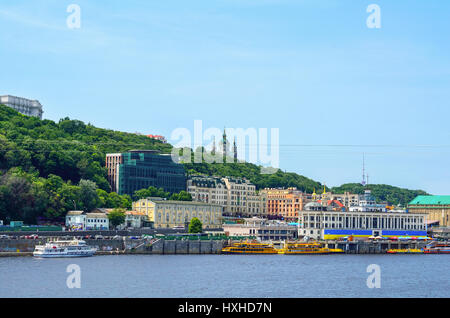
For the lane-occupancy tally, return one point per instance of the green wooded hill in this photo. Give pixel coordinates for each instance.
(48, 168)
(70, 149)
(382, 192)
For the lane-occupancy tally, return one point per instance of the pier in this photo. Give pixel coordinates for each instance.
(161, 246)
(373, 247)
(123, 245)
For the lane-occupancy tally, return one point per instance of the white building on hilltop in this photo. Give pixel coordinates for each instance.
(23, 105)
(367, 203)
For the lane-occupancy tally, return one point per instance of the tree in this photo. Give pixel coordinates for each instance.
(182, 196)
(195, 226)
(103, 197)
(159, 192)
(116, 217)
(71, 196)
(88, 195)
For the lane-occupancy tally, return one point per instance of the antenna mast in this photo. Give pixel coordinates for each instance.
(363, 173)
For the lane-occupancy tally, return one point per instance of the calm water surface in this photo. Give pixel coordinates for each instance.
(228, 276)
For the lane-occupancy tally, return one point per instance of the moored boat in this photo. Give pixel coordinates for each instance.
(336, 250)
(404, 251)
(437, 248)
(74, 248)
(249, 248)
(294, 248)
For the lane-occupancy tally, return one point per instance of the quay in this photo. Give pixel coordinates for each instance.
(162, 246)
(118, 246)
(15, 254)
(373, 247)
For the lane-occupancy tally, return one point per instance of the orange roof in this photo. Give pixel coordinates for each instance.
(339, 203)
(134, 213)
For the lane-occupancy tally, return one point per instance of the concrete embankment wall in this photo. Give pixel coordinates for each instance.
(185, 247)
(125, 246)
(19, 245)
(27, 245)
(161, 246)
(380, 247)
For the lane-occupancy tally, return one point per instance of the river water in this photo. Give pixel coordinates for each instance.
(227, 276)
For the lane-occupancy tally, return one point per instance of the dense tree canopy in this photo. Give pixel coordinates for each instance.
(382, 192)
(25, 196)
(70, 149)
(159, 192)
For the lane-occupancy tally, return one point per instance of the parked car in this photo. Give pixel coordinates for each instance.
(99, 237)
(86, 237)
(4, 237)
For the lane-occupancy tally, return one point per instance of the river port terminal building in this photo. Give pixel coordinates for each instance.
(140, 169)
(334, 225)
(261, 229)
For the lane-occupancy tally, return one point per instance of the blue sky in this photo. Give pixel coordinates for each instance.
(313, 69)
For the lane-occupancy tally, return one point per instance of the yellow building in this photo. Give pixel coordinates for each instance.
(170, 214)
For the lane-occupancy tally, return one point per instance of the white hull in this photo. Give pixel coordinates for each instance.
(41, 255)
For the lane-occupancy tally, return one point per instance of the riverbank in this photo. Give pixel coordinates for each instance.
(126, 246)
(15, 254)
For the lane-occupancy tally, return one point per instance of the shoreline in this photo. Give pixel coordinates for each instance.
(106, 253)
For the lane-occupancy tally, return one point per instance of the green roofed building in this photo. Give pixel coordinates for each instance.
(140, 169)
(436, 206)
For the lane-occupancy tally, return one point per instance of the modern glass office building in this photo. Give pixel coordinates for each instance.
(140, 169)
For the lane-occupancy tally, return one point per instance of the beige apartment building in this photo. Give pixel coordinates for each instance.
(170, 214)
(113, 160)
(237, 196)
(347, 199)
(208, 190)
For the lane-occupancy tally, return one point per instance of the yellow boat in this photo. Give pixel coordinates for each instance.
(305, 248)
(405, 251)
(336, 250)
(249, 248)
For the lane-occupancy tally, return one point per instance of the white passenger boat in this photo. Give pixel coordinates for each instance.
(74, 248)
